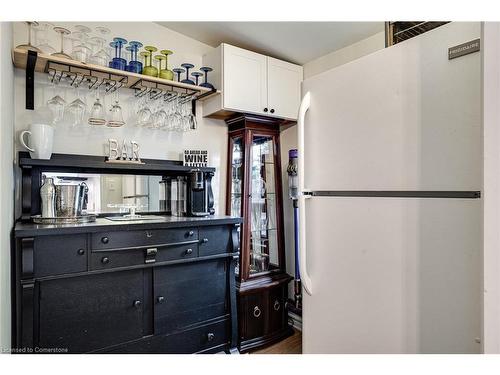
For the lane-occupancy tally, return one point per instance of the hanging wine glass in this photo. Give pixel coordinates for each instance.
(149, 69)
(134, 63)
(206, 69)
(166, 73)
(56, 103)
(118, 62)
(29, 46)
(77, 108)
(178, 71)
(187, 80)
(196, 76)
(97, 114)
(42, 32)
(62, 31)
(115, 119)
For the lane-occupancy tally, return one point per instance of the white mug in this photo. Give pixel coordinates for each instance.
(41, 139)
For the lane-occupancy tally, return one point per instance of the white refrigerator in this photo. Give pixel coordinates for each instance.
(390, 169)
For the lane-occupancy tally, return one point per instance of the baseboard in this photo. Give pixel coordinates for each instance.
(295, 321)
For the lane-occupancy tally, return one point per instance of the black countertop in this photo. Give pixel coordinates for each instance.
(102, 224)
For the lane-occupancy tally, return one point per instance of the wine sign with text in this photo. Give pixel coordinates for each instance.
(195, 158)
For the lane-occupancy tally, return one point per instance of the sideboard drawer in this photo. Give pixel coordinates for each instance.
(55, 255)
(215, 240)
(112, 259)
(126, 239)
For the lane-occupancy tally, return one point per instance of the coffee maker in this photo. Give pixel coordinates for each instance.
(200, 199)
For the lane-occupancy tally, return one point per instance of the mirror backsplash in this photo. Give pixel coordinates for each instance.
(115, 193)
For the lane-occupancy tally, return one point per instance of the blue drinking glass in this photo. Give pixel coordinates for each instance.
(206, 69)
(187, 80)
(118, 62)
(178, 71)
(134, 64)
(196, 76)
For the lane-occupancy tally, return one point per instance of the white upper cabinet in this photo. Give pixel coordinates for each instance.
(252, 83)
(283, 88)
(245, 80)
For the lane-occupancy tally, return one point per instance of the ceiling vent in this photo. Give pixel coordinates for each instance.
(399, 31)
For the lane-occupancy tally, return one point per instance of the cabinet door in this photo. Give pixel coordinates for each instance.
(91, 312)
(245, 80)
(283, 88)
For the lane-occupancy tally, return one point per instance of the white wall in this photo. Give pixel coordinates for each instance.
(344, 55)
(490, 41)
(6, 178)
(210, 135)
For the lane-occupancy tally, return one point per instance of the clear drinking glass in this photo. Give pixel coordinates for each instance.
(42, 37)
(62, 32)
(29, 46)
(56, 103)
(76, 109)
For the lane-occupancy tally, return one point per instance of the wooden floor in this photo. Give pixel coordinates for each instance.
(290, 345)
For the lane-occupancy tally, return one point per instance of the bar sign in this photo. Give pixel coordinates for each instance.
(464, 49)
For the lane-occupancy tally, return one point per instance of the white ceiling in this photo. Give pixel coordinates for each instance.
(297, 42)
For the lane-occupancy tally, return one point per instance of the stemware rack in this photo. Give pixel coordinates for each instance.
(97, 75)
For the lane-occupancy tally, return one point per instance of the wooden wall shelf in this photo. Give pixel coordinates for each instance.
(20, 58)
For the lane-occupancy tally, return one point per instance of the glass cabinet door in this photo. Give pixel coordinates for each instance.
(236, 184)
(264, 255)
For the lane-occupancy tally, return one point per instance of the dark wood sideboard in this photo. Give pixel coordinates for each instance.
(156, 286)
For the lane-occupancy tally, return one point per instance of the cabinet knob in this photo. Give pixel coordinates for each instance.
(137, 304)
(191, 233)
(189, 251)
(81, 251)
(105, 260)
(105, 240)
(160, 299)
(265, 109)
(277, 305)
(205, 240)
(210, 336)
(256, 311)
(272, 110)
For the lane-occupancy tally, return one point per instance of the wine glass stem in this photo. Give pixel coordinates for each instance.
(62, 42)
(206, 77)
(29, 34)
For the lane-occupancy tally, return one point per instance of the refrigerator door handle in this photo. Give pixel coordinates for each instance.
(306, 280)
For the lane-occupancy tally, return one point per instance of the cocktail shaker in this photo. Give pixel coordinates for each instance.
(48, 197)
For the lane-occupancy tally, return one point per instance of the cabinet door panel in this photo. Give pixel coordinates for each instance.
(187, 294)
(245, 80)
(283, 83)
(214, 240)
(253, 315)
(276, 307)
(91, 312)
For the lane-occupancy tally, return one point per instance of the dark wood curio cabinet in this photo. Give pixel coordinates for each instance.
(254, 189)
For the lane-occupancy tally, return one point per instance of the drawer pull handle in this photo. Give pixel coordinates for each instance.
(256, 311)
(191, 233)
(210, 336)
(149, 234)
(105, 240)
(205, 240)
(277, 305)
(81, 251)
(160, 299)
(189, 251)
(137, 304)
(105, 260)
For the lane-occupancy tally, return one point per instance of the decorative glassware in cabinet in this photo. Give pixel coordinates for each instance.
(118, 62)
(196, 76)
(178, 71)
(134, 64)
(81, 50)
(100, 56)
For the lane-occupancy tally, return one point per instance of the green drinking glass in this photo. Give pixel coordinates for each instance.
(166, 73)
(149, 69)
